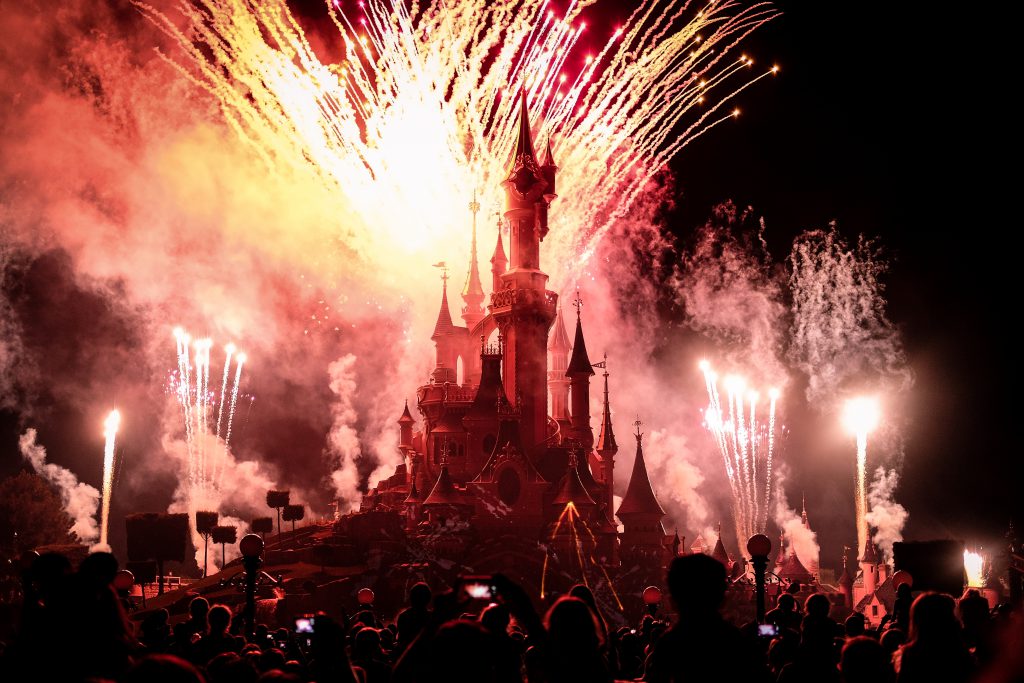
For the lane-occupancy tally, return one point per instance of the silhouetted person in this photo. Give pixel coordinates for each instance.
(815, 660)
(785, 614)
(854, 625)
(367, 655)
(977, 624)
(217, 638)
(701, 646)
(573, 648)
(197, 611)
(412, 619)
(901, 607)
(863, 660)
(935, 650)
(163, 669)
(507, 652)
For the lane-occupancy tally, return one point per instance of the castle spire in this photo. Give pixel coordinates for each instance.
(524, 141)
(446, 355)
(558, 384)
(640, 498)
(803, 512)
(606, 437)
(498, 261)
(579, 363)
(443, 326)
(473, 292)
(579, 373)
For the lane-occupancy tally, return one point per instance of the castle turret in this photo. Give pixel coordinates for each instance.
(606, 446)
(640, 512)
(444, 340)
(523, 308)
(869, 567)
(405, 424)
(558, 383)
(846, 581)
(499, 263)
(572, 490)
(579, 373)
(473, 292)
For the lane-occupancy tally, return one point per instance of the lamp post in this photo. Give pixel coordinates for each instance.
(652, 598)
(251, 547)
(759, 546)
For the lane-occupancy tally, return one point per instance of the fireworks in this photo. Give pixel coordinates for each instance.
(110, 427)
(861, 417)
(974, 568)
(418, 104)
(207, 448)
(571, 525)
(747, 445)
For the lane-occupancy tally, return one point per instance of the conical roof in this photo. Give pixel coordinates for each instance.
(870, 555)
(579, 363)
(414, 494)
(639, 498)
(549, 158)
(406, 415)
(719, 553)
(559, 341)
(473, 292)
(443, 326)
(572, 490)
(606, 438)
(524, 141)
(444, 491)
(499, 255)
(794, 570)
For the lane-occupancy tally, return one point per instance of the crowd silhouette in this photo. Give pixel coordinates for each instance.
(73, 627)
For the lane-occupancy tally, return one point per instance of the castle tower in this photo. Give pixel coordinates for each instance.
(473, 291)
(845, 580)
(558, 383)
(499, 263)
(869, 567)
(640, 512)
(444, 340)
(579, 373)
(524, 309)
(405, 424)
(606, 446)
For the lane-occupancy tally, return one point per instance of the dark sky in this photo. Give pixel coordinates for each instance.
(893, 126)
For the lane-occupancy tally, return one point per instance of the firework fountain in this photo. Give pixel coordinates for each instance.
(861, 417)
(974, 567)
(110, 427)
(191, 386)
(422, 87)
(747, 445)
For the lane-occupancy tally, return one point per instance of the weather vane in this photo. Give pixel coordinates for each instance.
(578, 303)
(444, 271)
(637, 423)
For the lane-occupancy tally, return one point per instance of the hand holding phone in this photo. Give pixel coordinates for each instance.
(476, 588)
(305, 624)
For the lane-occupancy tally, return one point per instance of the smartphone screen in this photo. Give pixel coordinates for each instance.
(304, 624)
(767, 630)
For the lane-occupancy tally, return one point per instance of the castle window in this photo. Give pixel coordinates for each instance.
(874, 610)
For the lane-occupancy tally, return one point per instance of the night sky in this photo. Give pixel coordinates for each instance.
(890, 126)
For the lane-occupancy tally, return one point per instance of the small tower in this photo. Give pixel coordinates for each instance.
(579, 373)
(444, 339)
(499, 262)
(558, 383)
(812, 567)
(720, 553)
(405, 424)
(640, 512)
(845, 580)
(869, 567)
(473, 292)
(606, 446)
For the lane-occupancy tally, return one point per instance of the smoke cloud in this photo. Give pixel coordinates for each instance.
(800, 539)
(80, 500)
(343, 441)
(886, 516)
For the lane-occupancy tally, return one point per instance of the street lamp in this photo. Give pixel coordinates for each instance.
(652, 598)
(251, 547)
(759, 546)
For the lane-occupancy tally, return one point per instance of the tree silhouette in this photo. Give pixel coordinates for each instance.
(294, 513)
(205, 522)
(31, 514)
(262, 526)
(224, 535)
(278, 500)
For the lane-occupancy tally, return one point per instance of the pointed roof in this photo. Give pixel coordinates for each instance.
(606, 438)
(414, 494)
(559, 341)
(499, 253)
(444, 325)
(473, 292)
(579, 363)
(780, 559)
(699, 546)
(639, 498)
(719, 553)
(794, 570)
(406, 415)
(444, 491)
(803, 512)
(549, 158)
(524, 140)
(869, 556)
(845, 580)
(572, 490)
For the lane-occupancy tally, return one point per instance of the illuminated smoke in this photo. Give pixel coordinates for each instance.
(886, 516)
(974, 567)
(110, 427)
(802, 540)
(80, 500)
(860, 417)
(343, 440)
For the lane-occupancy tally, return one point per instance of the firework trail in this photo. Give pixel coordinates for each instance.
(421, 87)
(229, 350)
(110, 427)
(861, 417)
(570, 518)
(234, 400)
(747, 447)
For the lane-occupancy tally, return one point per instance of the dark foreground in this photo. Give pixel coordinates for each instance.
(73, 627)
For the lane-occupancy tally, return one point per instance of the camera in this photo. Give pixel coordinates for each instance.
(477, 588)
(305, 624)
(767, 630)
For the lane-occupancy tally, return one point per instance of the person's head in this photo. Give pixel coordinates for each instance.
(495, 618)
(271, 659)
(366, 643)
(572, 627)
(904, 591)
(198, 608)
(892, 639)
(584, 593)
(933, 618)
(419, 595)
(461, 652)
(973, 609)
(163, 669)
(854, 625)
(864, 660)
(696, 583)
(98, 569)
(367, 618)
(787, 603)
(219, 618)
(817, 605)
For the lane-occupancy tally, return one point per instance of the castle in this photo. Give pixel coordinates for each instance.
(506, 448)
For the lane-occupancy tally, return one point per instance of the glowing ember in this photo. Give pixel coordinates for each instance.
(974, 568)
(747, 446)
(861, 416)
(110, 427)
(413, 109)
